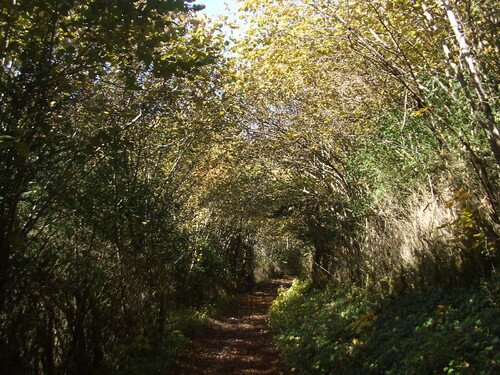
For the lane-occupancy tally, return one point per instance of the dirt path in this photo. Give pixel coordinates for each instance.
(238, 341)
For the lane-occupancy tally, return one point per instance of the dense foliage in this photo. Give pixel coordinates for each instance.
(345, 331)
(147, 169)
(111, 112)
(378, 119)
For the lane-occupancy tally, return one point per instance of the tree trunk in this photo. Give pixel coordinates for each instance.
(483, 111)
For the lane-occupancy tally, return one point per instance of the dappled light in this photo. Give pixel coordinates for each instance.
(161, 165)
(237, 341)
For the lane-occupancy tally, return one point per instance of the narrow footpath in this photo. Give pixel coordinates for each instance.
(237, 342)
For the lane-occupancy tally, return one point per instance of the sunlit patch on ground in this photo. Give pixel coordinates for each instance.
(237, 342)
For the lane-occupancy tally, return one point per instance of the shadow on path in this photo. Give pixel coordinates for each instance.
(237, 342)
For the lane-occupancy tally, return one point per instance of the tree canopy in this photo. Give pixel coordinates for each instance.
(149, 165)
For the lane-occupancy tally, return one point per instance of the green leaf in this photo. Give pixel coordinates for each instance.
(6, 141)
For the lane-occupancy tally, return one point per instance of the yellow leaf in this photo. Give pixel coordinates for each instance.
(462, 195)
(422, 110)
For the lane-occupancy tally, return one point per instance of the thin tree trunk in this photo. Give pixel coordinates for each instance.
(485, 117)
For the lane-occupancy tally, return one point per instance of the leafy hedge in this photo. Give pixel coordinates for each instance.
(346, 332)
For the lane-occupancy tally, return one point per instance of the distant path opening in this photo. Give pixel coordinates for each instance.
(237, 342)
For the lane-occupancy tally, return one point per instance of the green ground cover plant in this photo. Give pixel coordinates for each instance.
(336, 331)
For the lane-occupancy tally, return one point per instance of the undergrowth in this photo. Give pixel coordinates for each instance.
(454, 331)
(155, 353)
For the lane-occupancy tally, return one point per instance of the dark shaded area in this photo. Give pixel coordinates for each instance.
(237, 342)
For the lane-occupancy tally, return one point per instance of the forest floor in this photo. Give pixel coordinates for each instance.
(237, 341)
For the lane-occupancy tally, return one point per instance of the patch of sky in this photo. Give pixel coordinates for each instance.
(218, 7)
(228, 9)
